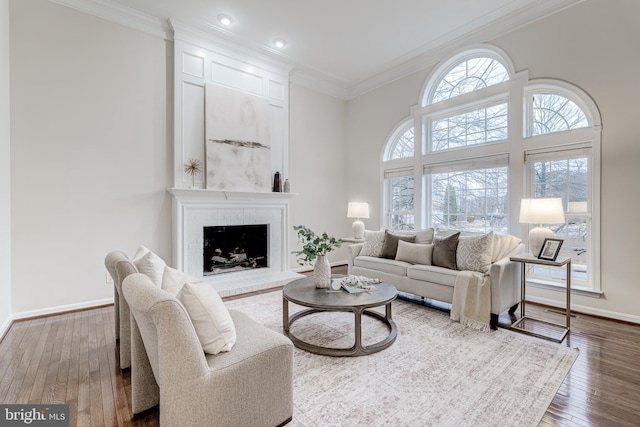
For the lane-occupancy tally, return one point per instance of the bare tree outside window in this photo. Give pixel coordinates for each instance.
(469, 76)
(471, 200)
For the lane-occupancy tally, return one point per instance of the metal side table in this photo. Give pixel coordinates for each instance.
(530, 259)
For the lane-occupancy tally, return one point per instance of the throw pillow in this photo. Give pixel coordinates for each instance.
(372, 245)
(474, 252)
(415, 253)
(173, 280)
(151, 265)
(444, 251)
(502, 245)
(210, 317)
(390, 244)
(422, 236)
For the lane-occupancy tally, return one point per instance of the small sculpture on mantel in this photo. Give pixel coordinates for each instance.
(193, 167)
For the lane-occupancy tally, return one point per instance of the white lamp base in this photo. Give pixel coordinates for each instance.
(536, 239)
(358, 229)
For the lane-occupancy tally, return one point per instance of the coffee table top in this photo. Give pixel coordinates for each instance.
(304, 292)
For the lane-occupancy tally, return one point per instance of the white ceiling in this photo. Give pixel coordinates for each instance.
(352, 45)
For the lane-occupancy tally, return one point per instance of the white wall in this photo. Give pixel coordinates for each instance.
(317, 165)
(5, 168)
(592, 45)
(90, 151)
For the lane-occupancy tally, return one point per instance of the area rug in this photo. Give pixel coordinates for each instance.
(437, 373)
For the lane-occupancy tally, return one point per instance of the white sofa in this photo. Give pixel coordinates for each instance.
(436, 282)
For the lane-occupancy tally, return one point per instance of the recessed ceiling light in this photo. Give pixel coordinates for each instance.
(225, 20)
(280, 43)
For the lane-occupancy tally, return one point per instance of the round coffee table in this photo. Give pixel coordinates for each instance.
(303, 292)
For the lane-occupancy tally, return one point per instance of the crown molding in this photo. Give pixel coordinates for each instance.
(425, 57)
(122, 15)
(188, 34)
(432, 53)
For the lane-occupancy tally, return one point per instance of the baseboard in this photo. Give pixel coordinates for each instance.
(61, 309)
(607, 314)
(5, 327)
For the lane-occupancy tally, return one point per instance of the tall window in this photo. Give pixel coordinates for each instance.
(483, 138)
(399, 191)
(565, 173)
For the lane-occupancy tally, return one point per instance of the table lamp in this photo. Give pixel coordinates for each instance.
(358, 210)
(541, 211)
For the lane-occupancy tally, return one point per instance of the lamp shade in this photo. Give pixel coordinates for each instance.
(542, 211)
(358, 210)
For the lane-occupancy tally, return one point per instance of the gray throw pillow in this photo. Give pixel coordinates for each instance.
(444, 251)
(390, 245)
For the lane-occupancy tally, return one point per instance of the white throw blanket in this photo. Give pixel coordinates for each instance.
(471, 303)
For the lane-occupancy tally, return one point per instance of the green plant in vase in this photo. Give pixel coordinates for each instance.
(316, 247)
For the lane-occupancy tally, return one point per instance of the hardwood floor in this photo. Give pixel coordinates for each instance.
(71, 358)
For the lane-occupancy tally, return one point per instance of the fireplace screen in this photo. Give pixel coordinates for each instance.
(235, 247)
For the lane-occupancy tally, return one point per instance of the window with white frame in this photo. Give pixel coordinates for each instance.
(483, 138)
(398, 191)
(565, 172)
(469, 197)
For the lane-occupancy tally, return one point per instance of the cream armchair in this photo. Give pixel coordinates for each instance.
(251, 385)
(122, 317)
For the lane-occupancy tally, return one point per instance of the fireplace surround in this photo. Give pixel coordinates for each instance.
(195, 209)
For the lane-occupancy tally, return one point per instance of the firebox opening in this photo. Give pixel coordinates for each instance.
(231, 248)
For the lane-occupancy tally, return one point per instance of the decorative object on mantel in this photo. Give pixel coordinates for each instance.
(277, 184)
(237, 140)
(287, 186)
(541, 211)
(316, 248)
(358, 210)
(193, 167)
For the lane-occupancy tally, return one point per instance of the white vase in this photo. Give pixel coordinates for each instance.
(322, 272)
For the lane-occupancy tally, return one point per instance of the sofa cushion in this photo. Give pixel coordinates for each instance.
(444, 251)
(422, 236)
(390, 266)
(150, 264)
(373, 241)
(390, 244)
(415, 253)
(430, 273)
(474, 252)
(210, 317)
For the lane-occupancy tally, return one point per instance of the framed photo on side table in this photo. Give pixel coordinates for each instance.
(550, 249)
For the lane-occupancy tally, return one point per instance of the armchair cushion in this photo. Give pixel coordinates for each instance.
(173, 280)
(210, 317)
(150, 264)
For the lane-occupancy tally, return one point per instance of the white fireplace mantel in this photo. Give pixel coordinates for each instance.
(196, 208)
(195, 195)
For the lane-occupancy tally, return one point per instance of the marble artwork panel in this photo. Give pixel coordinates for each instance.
(237, 140)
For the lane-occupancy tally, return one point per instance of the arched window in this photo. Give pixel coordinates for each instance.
(483, 138)
(468, 76)
(403, 146)
(398, 177)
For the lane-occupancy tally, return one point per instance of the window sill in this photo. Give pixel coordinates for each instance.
(553, 286)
